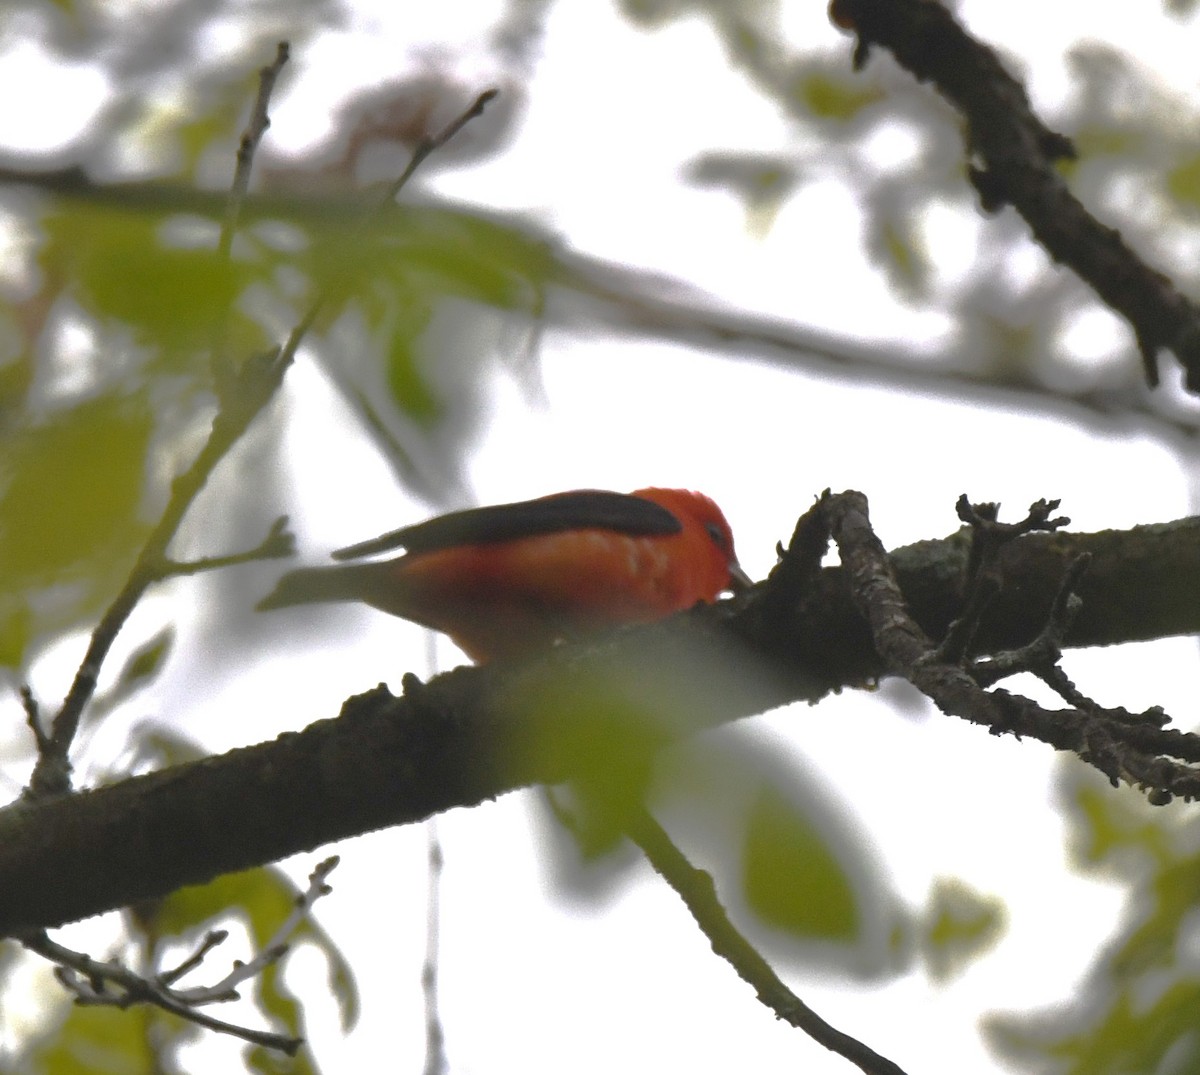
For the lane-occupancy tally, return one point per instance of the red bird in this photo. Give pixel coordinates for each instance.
(507, 580)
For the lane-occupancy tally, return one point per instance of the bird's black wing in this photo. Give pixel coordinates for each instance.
(585, 509)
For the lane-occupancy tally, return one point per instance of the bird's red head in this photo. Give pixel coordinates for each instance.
(698, 512)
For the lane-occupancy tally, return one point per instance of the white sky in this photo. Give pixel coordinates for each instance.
(534, 985)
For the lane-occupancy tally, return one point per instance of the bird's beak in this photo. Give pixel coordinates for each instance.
(738, 579)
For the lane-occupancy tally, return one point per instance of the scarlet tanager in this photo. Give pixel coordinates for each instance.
(510, 579)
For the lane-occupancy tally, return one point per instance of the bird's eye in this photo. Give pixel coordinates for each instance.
(718, 536)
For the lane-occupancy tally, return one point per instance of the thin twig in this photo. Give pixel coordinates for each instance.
(111, 983)
(33, 718)
(432, 143)
(435, 1038)
(695, 887)
(1041, 656)
(246, 395)
(278, 543)
(256, 383)
(96, 976)
(212, 938)
(223, 367)
(988, 537)
(256, 127)
(1123, 746)
(274, 949)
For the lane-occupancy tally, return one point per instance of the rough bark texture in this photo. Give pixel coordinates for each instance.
(476, 733)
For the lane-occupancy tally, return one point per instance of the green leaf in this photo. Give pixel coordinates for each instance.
(1133, 1036)
(1183, 183)
(146, 661)
(1137, 1008)
(827, 96)
(960, 925)
(793, 879)
(103, 1041)
(1111, 833)
(70, 488)
(163, 746)
(16, 630)
(157, 273)
(139, 670)
(408, 386)
(896, 243)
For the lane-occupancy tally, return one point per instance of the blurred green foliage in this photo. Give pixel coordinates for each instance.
(1137, 1009)
(960, 925)
(123, 299)
(71, 486)
(793, 878)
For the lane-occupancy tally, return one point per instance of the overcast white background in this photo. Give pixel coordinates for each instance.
(530, 982)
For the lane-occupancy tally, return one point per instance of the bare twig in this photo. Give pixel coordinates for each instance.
(111, 983)
(33, 718)
(435, 1039)
(278, 543)
(223, 366)
(988, 537)
(432, 143)
(255, 129)
(212, 938)
(695, 887)
(1041, 656)
(273, 950)
(422, 151)
(90, 980)
(1130, 747)
(241, 399)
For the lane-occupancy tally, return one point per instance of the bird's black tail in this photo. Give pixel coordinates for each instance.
(309, 585)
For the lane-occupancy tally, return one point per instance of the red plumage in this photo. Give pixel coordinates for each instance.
(507, 580)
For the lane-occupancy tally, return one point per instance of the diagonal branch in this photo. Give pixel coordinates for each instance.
(243, 394)
(255, 385)
(475, 733)
(695, 887)
(1124, 746)
(1017, 155)
(253, 135)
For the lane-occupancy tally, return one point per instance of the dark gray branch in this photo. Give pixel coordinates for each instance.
(476, 733)
(1013, 163)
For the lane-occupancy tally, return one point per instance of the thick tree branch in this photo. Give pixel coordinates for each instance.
(476, 733)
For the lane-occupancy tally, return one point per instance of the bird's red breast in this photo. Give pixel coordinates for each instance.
(507, 580)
